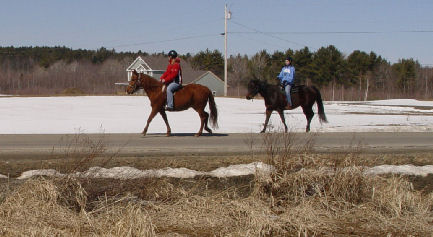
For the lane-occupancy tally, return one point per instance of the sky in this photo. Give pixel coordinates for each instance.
(393, 29)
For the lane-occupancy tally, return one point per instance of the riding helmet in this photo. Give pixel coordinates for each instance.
(289, 58)
(172, 54)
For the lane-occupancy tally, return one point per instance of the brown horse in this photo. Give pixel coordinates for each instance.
(275, 99)
(192, 95)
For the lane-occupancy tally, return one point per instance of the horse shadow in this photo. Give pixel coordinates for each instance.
(149, 135)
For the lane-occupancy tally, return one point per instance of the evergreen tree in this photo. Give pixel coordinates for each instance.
(406, 73)
(327, 66)
(210, 61)
(302, 60)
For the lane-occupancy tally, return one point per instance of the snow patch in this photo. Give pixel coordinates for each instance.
(127, 172)
(402, 169)
(43, 172)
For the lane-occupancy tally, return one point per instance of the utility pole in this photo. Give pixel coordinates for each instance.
(227, 16)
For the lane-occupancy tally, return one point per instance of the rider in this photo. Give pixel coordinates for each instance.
(172, 78)
(287, 79)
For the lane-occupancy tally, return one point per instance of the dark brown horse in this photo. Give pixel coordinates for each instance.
(190, 96)
(275, 99)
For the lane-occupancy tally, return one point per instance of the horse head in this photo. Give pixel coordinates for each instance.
(133, 83)
(254, 87)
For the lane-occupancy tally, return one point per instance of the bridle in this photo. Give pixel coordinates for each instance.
(138, 81)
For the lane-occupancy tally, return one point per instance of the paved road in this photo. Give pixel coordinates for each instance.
(13, 146)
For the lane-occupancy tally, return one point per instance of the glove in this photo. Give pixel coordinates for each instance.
(163, 81)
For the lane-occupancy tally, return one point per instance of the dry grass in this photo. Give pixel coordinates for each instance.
(340, 199)
(46, 207)
(306, 194)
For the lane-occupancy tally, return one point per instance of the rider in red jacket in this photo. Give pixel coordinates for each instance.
(173, 72)
(172, 78)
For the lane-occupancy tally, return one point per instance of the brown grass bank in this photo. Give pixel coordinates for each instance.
(306, 194)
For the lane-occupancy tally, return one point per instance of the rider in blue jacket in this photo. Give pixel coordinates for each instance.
(287, 79)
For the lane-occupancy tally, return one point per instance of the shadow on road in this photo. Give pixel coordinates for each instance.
(186, 135)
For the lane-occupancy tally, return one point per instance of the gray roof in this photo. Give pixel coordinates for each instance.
(205, 74)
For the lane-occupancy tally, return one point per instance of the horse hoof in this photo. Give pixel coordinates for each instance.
(197, 135)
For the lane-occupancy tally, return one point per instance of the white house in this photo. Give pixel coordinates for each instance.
(141, 66)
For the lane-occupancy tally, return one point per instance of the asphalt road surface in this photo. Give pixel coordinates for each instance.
(33, 145)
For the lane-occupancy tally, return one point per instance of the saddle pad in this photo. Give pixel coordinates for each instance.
(295, 89)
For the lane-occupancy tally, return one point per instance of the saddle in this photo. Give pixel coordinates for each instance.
(174, 92)
(293, 90)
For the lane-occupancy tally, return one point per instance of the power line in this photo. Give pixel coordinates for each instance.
(330, 32)
(270, 35)
(164, 41)
(262, 41)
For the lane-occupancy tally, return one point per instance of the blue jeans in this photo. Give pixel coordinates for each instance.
(171, 88)
(287, 90)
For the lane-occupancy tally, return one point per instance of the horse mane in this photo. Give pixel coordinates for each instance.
(152, 80)
(149, 82)
(262, 83)
(259, 82)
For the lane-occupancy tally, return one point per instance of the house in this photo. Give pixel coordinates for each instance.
(206, 78)
(142, 67)
(211, 81)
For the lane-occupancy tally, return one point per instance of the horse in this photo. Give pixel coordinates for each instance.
(190, 96)
(275, 99)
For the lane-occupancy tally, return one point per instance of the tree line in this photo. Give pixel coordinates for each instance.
(357, 76)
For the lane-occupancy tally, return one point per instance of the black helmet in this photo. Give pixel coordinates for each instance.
(172, 54)
(289, 58)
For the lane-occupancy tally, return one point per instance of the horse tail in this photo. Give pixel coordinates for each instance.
(322, 116)
(213, 111)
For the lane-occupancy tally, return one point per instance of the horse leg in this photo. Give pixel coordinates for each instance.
(206, 120)
(308, 111)
(164, 116)
(268, 114)
(281, 112)
(151, 116)
(203, 119)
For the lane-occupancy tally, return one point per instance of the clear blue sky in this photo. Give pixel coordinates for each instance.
(394, 29)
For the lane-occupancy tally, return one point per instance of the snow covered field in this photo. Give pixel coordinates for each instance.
(128, 114)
